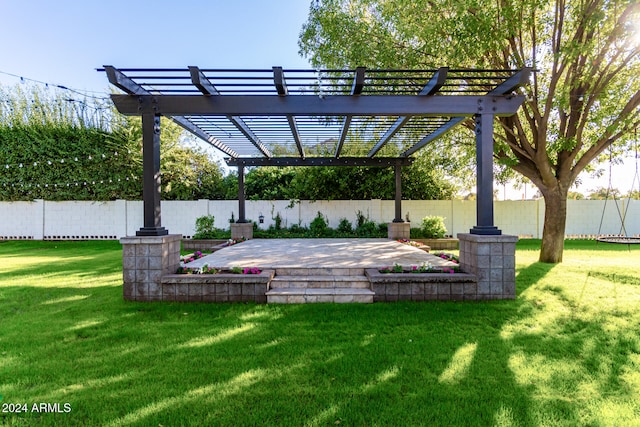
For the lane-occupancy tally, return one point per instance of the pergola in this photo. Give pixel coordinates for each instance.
(277, 117)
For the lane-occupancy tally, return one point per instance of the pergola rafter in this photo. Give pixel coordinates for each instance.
(356, 90)
(281, 87)
(433, 86)
(319, 117)
(204, 85)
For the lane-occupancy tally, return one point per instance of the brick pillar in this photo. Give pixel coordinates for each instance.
(492, 259)
(398, 230)
(242, 230)
(145, 259)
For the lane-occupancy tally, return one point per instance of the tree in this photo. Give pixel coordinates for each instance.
(575, 195)
(342, 183)
(604, 193)
(584, 97)
(633, 194)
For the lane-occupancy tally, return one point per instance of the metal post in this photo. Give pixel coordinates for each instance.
(398, 174)
(484, 180)
(151, 189)
(241, 196)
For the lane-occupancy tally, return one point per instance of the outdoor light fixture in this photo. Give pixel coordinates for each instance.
(261, 219)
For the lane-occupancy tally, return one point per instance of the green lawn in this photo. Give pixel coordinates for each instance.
(565, 353)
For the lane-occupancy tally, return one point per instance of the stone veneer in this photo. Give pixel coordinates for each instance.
(492, 259)
(145, 260)
(207, 245)
(390, 287)
(224, 287)
(398, 230)
(242, 230)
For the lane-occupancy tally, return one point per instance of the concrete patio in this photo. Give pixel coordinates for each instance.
(318, 253)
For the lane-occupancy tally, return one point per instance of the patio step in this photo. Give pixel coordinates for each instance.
(319, 295)
(321, 282)
(319, 271)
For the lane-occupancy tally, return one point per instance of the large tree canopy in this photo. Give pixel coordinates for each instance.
(584, 97)
(345, 183)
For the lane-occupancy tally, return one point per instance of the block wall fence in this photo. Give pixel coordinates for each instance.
(47, 220)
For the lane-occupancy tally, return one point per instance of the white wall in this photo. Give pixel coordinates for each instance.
(111, 220)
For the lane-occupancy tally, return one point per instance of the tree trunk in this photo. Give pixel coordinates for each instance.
(555, 220)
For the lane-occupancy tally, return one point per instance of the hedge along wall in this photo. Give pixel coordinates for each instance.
(42, 219)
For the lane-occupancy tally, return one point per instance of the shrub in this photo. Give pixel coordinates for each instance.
(278, 221)
(344, 226)
(297, 229)
(433, 227)
(319, 226)
(360, 219)
(367, 229)
(416, 233)
(204, 227)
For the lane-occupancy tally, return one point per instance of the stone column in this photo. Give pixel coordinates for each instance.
(145, 259)
(242, 230)
(492, 259)
(398, 230)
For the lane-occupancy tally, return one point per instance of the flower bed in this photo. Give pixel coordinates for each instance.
(448, 257)
(425, 268)
(191, 257)
(206, 269)
(415, 244)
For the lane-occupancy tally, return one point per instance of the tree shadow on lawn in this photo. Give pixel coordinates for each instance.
(401, 363)
(530, 361)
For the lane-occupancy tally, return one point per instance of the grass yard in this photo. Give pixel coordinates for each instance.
(566, 352)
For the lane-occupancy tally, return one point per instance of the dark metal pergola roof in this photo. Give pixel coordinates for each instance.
(317, 117)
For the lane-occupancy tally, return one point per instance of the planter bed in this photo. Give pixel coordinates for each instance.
(203, 245)
(222, 287)
(422, 286)
(439, 244)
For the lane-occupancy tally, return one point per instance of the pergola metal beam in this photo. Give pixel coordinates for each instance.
(119, 80)
(302, 105)
(281, 88)
(278, 80)
(432, 86)
(201, 81)
(433, 135)
(203, 84)
(484, 176)
(356, 90)
(151, 184)
(321, 161)
(517, 80)
(213, 141)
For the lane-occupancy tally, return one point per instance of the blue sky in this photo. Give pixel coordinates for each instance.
(64, 41)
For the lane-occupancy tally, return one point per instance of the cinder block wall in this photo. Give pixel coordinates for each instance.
(114, 219)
